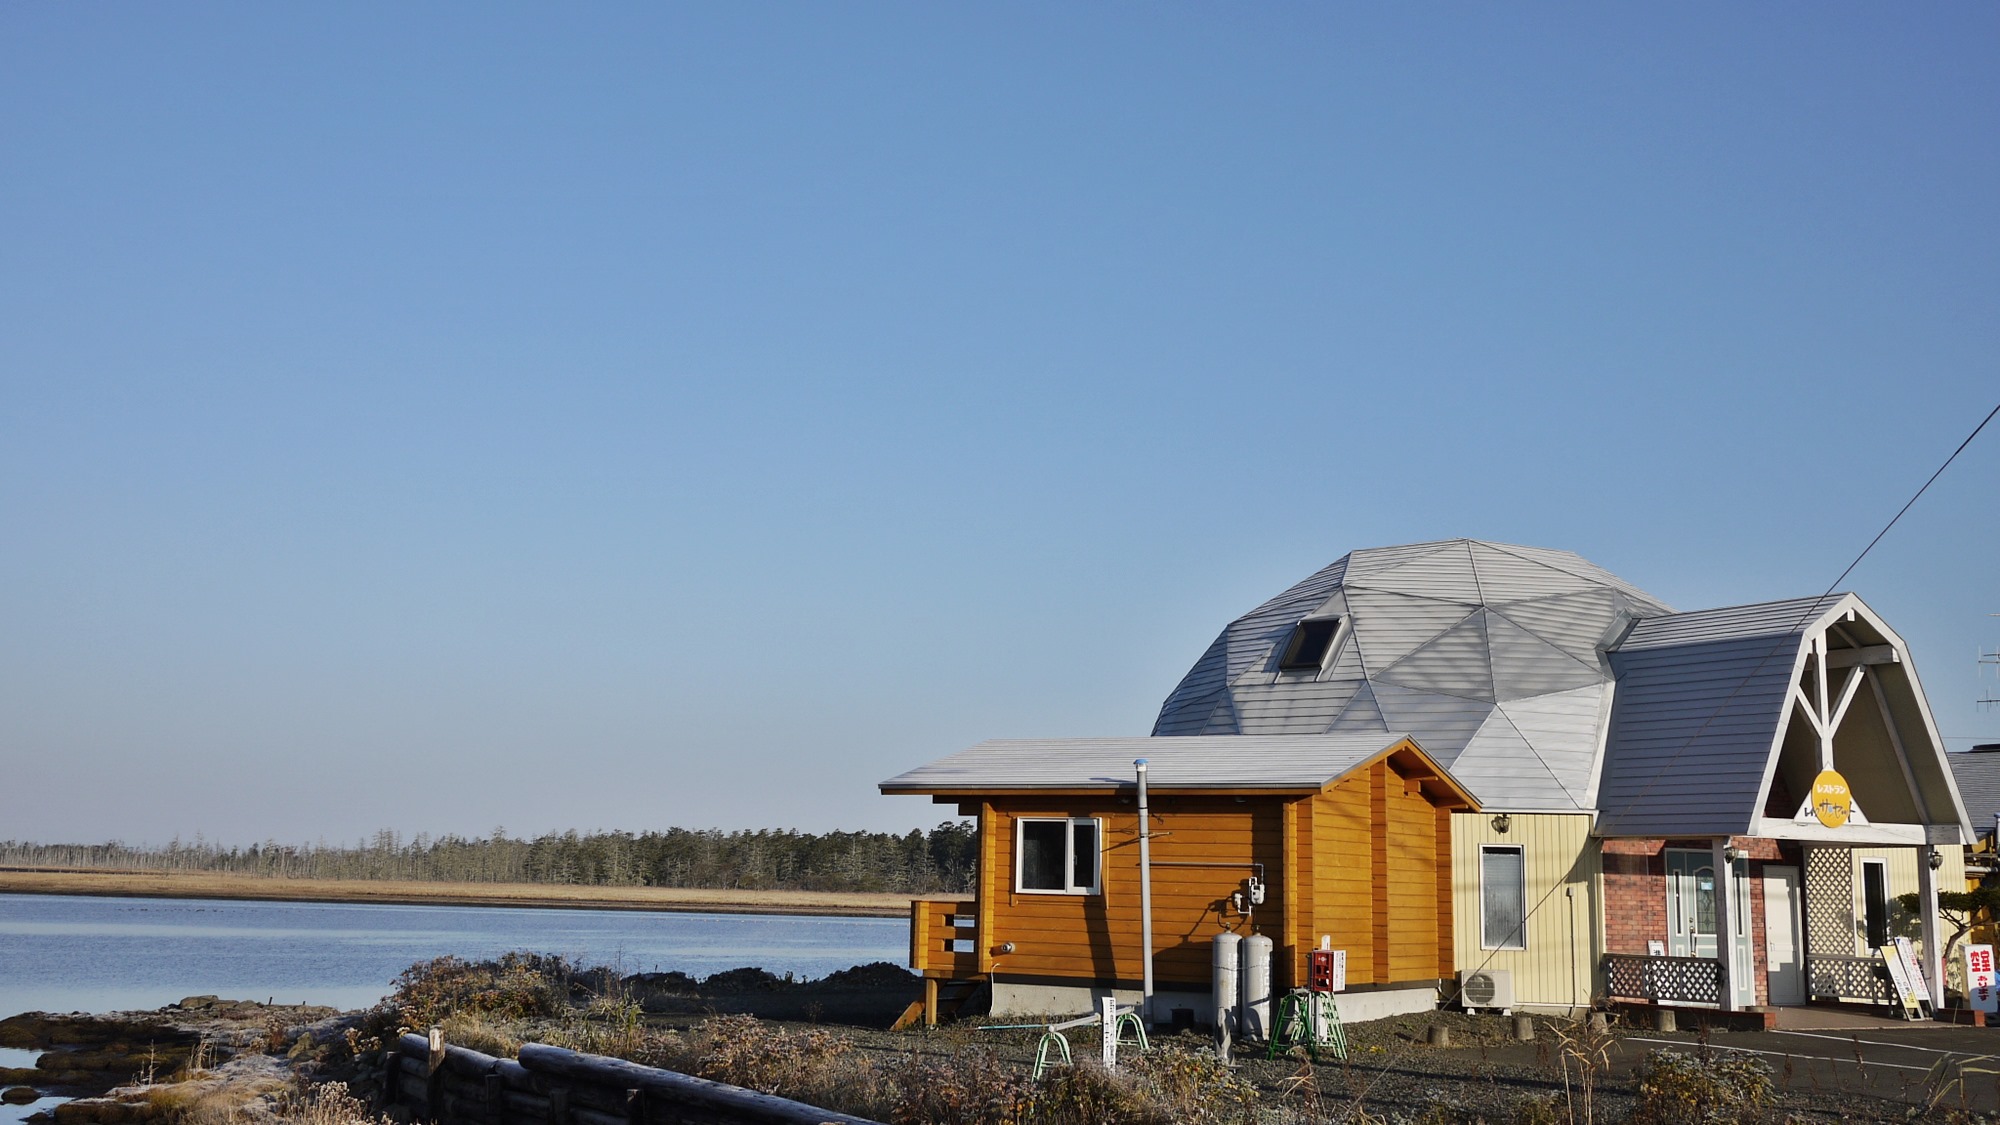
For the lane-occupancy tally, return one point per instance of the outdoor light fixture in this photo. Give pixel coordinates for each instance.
(1937, 859)
(1732, 854)
(1502, 823)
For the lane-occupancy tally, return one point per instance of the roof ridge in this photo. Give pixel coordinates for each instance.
(1817, 598)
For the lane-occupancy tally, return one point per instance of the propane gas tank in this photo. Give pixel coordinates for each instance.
(1256, 1022)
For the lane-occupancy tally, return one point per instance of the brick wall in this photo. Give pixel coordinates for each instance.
(1635, 895)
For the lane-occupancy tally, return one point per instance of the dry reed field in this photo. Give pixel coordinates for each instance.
(155, 884)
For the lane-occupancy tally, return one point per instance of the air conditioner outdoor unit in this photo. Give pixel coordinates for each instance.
(1487, 988)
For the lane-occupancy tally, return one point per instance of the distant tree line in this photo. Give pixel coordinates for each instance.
(918, 862)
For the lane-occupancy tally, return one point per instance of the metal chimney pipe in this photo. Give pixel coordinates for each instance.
(1145, 896)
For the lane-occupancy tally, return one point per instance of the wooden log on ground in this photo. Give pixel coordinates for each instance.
(604, 1098)
(580, 1116)
(671, 1088)
(517, 1104)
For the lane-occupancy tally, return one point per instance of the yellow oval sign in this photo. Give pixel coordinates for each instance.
(1832, 803)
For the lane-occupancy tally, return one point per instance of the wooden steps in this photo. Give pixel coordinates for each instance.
(942, 1000)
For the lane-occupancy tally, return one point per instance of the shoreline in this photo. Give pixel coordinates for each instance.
(686, 900)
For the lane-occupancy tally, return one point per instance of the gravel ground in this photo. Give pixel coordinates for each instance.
(1394, 1072)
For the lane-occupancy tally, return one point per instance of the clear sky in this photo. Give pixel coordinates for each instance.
(447, 416)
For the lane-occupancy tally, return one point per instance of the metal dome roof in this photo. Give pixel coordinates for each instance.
(1490, 655)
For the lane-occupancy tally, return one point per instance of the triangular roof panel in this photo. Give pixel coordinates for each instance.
(1525, 665)
(1445, 574)
(1388, 627)
(1453, 663)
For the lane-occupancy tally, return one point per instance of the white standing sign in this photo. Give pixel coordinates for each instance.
(1914, 969)
(1899, 980)
(1982, 988)
(1107, 1022)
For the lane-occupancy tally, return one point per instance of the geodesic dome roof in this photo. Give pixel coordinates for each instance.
(1490, 655)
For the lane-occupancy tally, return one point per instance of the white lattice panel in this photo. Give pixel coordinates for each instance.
(1829, 905)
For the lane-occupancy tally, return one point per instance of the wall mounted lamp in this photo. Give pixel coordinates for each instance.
(1502, 823)
(1937, 859)
(1732, 854)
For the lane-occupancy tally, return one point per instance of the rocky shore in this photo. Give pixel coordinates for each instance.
(120, 1067)
(210, 1061)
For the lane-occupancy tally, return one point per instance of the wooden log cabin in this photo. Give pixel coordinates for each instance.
(1349, 837)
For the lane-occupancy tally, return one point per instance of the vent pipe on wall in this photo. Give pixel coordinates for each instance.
(1145, 896)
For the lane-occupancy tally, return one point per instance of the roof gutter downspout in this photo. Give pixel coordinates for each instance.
(1145, 896)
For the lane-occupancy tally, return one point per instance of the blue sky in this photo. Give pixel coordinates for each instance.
(451, 416)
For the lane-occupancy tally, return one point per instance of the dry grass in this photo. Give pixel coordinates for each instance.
(198, 1102)
(967, 1086)
(159, 884)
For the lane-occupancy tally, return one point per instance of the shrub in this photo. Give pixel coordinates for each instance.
(517, 986)
(328, 1104)
(1190, 1086)
(967, 1088)
(1704, 1089)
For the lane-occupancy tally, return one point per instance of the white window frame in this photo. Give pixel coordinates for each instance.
(1521, 932)
(1069, 854)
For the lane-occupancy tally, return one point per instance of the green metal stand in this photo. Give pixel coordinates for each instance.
(1294, 1026)
(1050, 1038)
(1131, 1021)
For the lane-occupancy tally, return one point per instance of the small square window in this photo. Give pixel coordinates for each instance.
(1057, 856)
(1306, 651)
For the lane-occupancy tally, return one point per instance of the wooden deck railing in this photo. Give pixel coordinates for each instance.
(941, 938)
(1832, 977)
(1691, 981)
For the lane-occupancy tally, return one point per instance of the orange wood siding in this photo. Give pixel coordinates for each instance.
(1372, 854)
(1096, 937)
(1446, 947)
(1343, 858)
(982, 942)
(1411, 833)
(1381, 891)
(1378, 869)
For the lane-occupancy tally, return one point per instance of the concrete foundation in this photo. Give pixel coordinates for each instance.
(1381, 1003)
(1039, 1000)
(1042, 1000)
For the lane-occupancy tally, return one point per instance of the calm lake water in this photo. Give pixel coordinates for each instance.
(61, 953)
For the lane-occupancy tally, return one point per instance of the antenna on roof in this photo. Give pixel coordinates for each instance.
(1992, 659)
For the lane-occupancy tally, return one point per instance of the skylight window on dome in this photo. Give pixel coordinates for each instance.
(1306, 651)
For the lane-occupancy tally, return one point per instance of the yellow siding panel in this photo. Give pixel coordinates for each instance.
(1902, 865)
(1565, 883)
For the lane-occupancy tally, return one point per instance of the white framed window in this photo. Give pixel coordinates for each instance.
(1503, 897)
(1057, 855)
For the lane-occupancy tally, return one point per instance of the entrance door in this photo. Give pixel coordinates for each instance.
(1691, 916)
(1690, 904)
(1784, 955)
